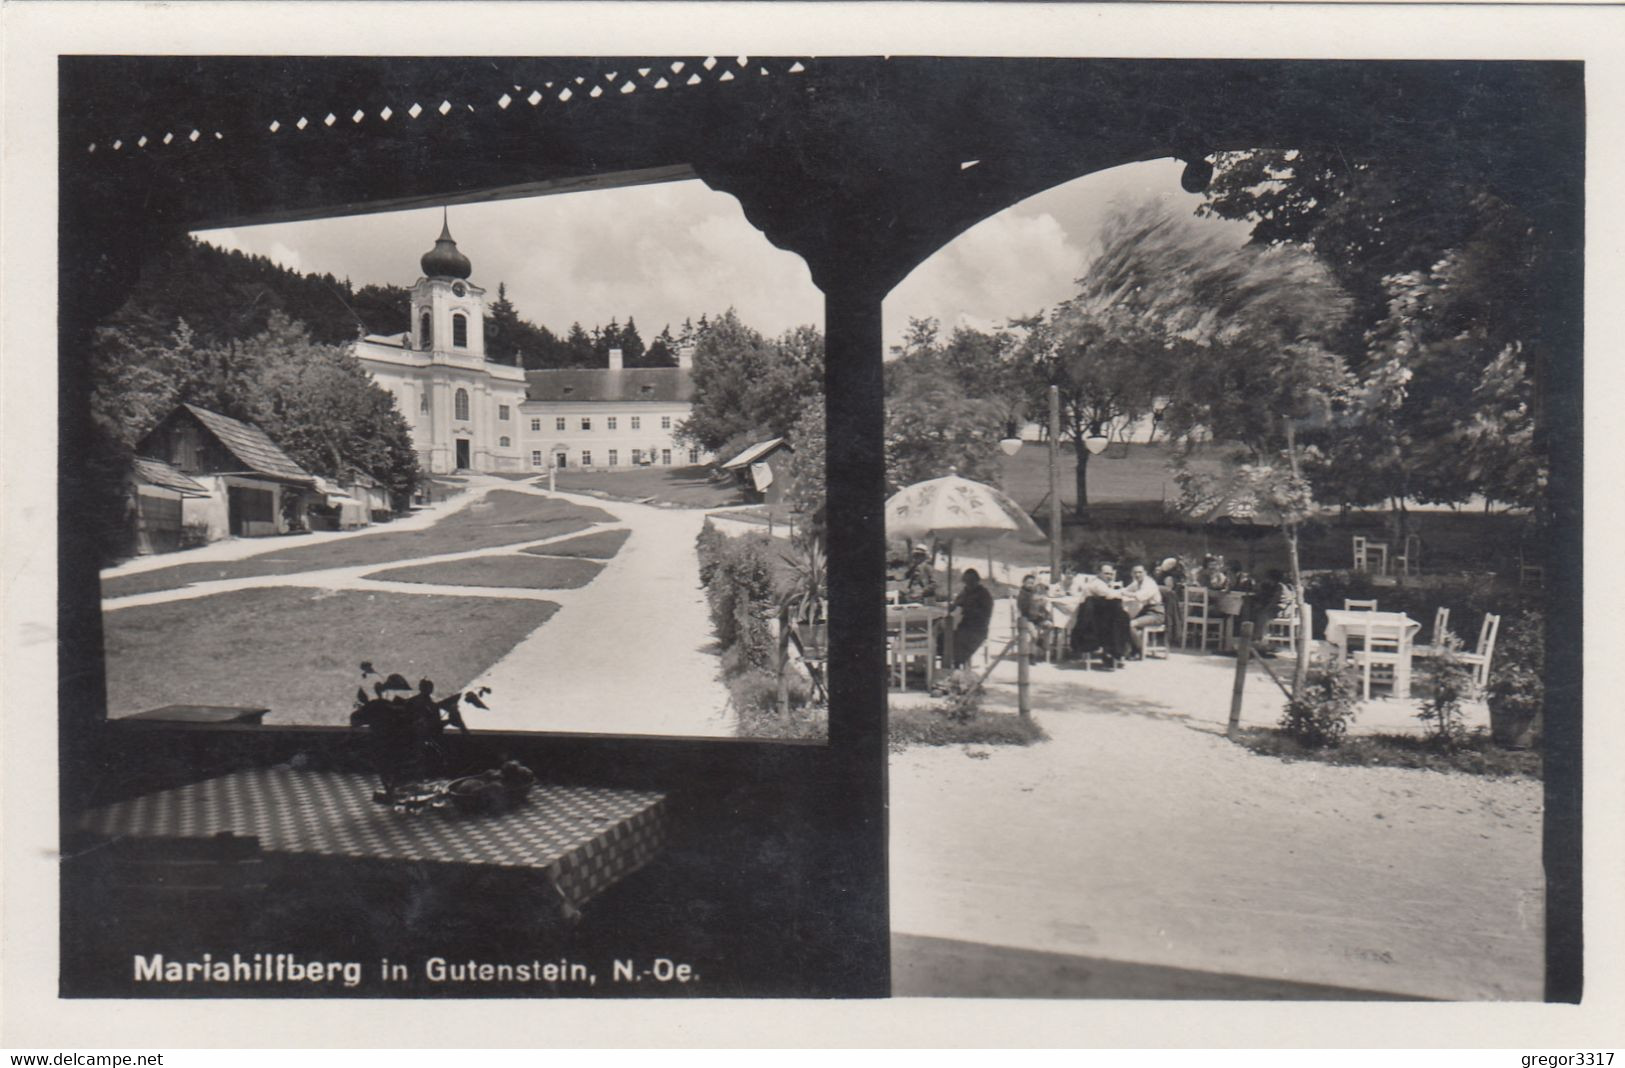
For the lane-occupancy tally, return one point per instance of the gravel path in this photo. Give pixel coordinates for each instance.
(1139, 834)
(629, 654)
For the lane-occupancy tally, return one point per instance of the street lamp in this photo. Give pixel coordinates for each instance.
(1011, 442)
(1097, 441)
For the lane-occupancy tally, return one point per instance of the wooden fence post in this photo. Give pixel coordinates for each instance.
(1023, 656)
(1244, 648)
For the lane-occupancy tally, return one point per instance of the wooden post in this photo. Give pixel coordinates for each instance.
(1306, 619)
(1244, 648)
(1054, 485)
(1023, 656)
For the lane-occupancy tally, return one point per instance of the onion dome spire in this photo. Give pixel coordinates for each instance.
(444, 261)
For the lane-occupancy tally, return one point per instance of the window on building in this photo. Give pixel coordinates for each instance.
(665, 457)
(609, 422)
(423, 402)
(460, 405)
(558, 424)
(637, 422)
(586, 422)
(536, 457)
(637, 457)
(614, 457)
(694, 455)
(459, 330)
(426, 332)
(665, 422)
(502, 411)
(586, 457)
(535, 426)
(504, 442)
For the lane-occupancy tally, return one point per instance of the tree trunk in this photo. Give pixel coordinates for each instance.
(1081, 478)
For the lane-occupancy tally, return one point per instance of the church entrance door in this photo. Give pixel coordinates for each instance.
(462, 453)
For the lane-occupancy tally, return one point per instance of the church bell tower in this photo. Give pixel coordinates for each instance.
(448, 312)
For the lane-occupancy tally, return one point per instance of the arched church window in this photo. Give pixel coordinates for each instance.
(425, 332)
(459, 330)
(460, 405)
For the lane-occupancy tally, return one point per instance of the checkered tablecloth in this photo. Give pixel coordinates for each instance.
(584, 839)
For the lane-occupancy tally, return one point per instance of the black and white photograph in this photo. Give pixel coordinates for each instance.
(815, 524)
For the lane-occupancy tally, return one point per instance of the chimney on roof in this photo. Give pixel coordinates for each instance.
(615, 363)
(685, 355)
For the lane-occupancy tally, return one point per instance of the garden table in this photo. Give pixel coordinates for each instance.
(583, 840)
(1340, 623)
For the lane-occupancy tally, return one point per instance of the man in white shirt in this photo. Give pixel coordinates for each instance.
(1102, 623)
(1142, 600)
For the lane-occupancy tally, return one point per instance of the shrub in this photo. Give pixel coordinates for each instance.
(962, 697)
(1319, 716)
(740, 591)
(1443, 682)
(1517, 685)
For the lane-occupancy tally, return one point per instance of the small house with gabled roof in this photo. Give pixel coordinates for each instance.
(250, 486)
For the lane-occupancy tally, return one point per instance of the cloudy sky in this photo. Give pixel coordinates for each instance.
(664, 253)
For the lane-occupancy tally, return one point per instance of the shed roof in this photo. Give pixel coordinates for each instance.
(648, 384)
(252, 446)
(157, 473)
(754, 453)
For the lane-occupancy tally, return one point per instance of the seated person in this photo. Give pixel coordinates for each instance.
(972, 612)
(1212, 573)
(1032, 603)
(1102, 623)
(1142, 601)
(1275, 598)
(920, 580)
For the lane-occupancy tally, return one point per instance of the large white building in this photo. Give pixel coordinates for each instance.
(468, 413)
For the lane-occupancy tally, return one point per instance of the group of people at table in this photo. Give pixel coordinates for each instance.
(1099, 614)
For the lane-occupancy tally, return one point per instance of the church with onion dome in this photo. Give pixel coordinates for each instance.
(463, 409)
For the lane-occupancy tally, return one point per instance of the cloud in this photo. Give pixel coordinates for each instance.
(1009, 265)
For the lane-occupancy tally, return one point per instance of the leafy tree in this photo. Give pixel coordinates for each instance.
(805, 470)
(385, 309)
(746, 386)
(1448, 289)
(933, 429)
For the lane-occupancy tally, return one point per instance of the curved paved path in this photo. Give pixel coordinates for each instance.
(631, 653)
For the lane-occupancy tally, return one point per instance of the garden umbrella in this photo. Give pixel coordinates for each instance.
(953, 509)
(1233, 505)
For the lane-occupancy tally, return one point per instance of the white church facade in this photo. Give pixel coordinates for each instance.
(468, 413)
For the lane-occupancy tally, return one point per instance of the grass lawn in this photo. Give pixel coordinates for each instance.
(297, 651)
(503, 517)
(925, 725)
(1127, 519)
(686, 487)
(525, 572)
(602, 545)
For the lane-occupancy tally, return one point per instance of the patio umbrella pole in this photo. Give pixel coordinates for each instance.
(948, 627)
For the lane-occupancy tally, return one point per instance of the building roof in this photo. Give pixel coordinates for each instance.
(157, 473)
(256, 451)
(754, 453)
(650, 384)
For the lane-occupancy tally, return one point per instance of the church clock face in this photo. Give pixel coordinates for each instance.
(457, 289)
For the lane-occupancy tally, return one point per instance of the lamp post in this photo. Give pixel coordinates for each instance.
(1054, 484)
